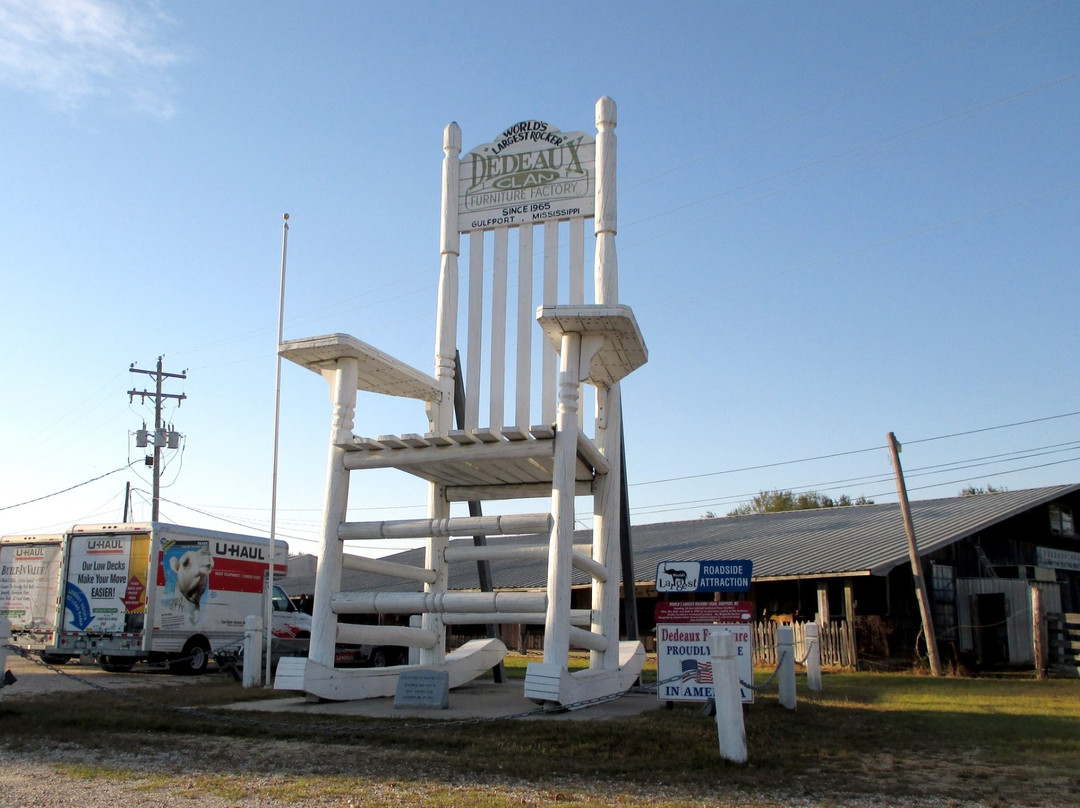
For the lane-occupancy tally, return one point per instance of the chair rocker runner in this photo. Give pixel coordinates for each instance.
(534, 185)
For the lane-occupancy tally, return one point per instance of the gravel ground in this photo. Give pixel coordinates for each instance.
(171, 771)
(35, 679)
(244, 774)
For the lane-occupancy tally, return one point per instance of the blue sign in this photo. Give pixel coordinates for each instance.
(703, 576)
(78, 607)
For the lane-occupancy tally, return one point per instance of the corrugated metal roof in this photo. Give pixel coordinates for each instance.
(855, 540)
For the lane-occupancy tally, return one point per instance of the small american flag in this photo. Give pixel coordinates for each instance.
(700, 672)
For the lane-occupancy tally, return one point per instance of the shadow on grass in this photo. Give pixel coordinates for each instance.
(866, 734)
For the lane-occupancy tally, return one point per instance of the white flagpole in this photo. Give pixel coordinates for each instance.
(277, 423)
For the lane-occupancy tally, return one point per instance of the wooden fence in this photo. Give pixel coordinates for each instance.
(837, 643)
(1064, 636)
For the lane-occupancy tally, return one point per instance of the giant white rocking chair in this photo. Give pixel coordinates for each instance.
(532, 179)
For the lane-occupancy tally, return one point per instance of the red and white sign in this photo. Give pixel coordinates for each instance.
(684, 664)
(704, 611)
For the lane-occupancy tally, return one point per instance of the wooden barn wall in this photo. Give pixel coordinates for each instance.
(1018, 605)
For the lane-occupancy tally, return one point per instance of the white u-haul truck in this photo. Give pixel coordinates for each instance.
(128, 593)
(31, 578)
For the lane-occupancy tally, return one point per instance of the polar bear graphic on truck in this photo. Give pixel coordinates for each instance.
(192, 579)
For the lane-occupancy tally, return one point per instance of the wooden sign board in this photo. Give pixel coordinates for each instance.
(530, 174)
(1057, 559)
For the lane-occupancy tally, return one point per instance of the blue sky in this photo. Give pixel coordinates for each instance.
(836, 220)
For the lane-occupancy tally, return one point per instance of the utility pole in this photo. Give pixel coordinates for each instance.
(161, 438)
(913, 555)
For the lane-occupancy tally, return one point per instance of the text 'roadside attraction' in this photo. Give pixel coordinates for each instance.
(683, 628)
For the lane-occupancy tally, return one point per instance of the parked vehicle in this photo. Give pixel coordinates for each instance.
(127, 593)
(31, 575)
(371, 656)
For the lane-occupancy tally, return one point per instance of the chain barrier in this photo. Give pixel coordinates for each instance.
(226, 658)
(233, 662)
(783, 654)
(809, 644)
(761, 688)
(336, 729)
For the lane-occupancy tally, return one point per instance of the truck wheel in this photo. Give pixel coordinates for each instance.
(378, 658)
(112, 664)
(55, 659)
(194, 658)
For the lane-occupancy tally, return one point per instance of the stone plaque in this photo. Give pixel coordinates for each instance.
(429, 689)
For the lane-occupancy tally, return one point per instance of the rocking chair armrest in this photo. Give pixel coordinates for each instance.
(378, 372)
(620, 350)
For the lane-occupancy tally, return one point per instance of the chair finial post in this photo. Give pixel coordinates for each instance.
(606, 263)
(449, 249)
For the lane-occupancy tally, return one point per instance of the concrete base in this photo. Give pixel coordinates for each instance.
(549, 684)
(471, 660)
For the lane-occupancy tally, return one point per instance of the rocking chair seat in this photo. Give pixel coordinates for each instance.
(502, 465)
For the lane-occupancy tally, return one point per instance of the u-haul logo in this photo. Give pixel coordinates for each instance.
(230, 550)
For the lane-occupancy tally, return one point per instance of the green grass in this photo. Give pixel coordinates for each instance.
(1000, 741)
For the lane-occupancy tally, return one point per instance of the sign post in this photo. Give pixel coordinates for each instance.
(730, 729)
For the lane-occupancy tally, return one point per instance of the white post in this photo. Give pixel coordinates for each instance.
(446, 314)
(269, 605)
(561, 545)
(415, 621)
(729, 715)
(813, 657)
(606, 503)
(342, 379)
(785, 641)
(253, 624)
(5, 635)
(435, 559)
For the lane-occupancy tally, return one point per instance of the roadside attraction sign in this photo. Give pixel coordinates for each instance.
(683, 657)
(703, 576)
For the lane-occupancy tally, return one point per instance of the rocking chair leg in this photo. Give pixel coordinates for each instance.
(323, 621)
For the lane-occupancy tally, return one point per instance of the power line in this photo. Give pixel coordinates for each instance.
(667, 508)
(990, 428)
(944, 468)
(872, 479)
(860, 451)
(922, 471)
(65, 490)
(758, 468)
(258, 529)
(1000, 473)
